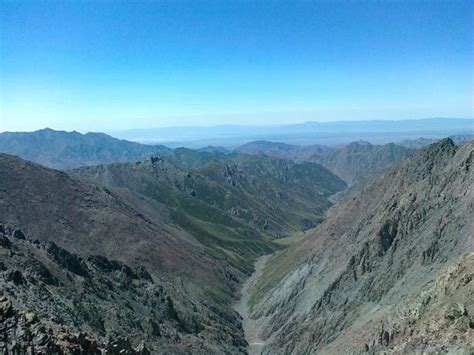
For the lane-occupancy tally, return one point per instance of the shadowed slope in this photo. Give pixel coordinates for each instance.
(85, 218)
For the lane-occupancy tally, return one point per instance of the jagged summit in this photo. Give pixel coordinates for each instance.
(444, 146)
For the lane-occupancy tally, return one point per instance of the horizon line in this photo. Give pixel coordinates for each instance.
(106, 131)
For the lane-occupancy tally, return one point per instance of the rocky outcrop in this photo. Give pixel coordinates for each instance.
(53, 301)
(23, 333)
(149, 250)
(391, 269)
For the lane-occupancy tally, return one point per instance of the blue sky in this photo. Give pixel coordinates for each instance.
(104, 65)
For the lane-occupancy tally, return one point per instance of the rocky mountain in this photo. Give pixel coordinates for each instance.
(284, 151)
(390, 270)
(48, 206)
(421, 142)
(357, 162)
(148, 256)
(66, 150)
(144, 256)
(57, 302)
(234, 206)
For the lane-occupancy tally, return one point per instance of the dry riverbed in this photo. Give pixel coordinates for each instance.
(249, 325)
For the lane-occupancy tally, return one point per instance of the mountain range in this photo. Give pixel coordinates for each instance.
(356, 162)
(308, 133)
(67, 150)
(139, 249)
(124, 236)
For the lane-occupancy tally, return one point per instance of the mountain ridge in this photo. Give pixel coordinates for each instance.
(66, 150)
(245, 200)
(195, 232)
(356, 163)
(328, 301)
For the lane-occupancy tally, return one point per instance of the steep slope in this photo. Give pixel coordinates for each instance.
(54, 301)
(66, 150)
(114, 250)
(87, 220)
(294, 194)
(53, 206)
(359, 162)
(234, 206)
(389, 270)
(418, 143)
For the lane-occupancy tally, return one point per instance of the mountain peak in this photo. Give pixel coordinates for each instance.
(68, 150)
(438, 151)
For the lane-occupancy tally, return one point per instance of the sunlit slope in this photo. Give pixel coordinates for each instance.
(390, 269)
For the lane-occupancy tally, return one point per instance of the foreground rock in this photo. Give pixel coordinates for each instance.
(56, 302)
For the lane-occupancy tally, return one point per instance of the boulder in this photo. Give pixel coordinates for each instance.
(18, 234)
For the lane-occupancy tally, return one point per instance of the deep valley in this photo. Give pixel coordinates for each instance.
(245, 251)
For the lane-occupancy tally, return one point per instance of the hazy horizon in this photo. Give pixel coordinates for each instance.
(305, 133)
(237, 124)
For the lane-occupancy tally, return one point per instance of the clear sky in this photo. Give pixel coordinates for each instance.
(104, 64)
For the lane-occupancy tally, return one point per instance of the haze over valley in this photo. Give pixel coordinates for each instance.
(307, 133)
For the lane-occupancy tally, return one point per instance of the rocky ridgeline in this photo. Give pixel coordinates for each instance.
(182, 307)
(355, 163)
(22, 330)
(56, 302)
(389, 270)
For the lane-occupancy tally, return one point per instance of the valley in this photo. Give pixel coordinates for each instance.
(250, 326)
(260, 250)
(236, 177)
(398, 279)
